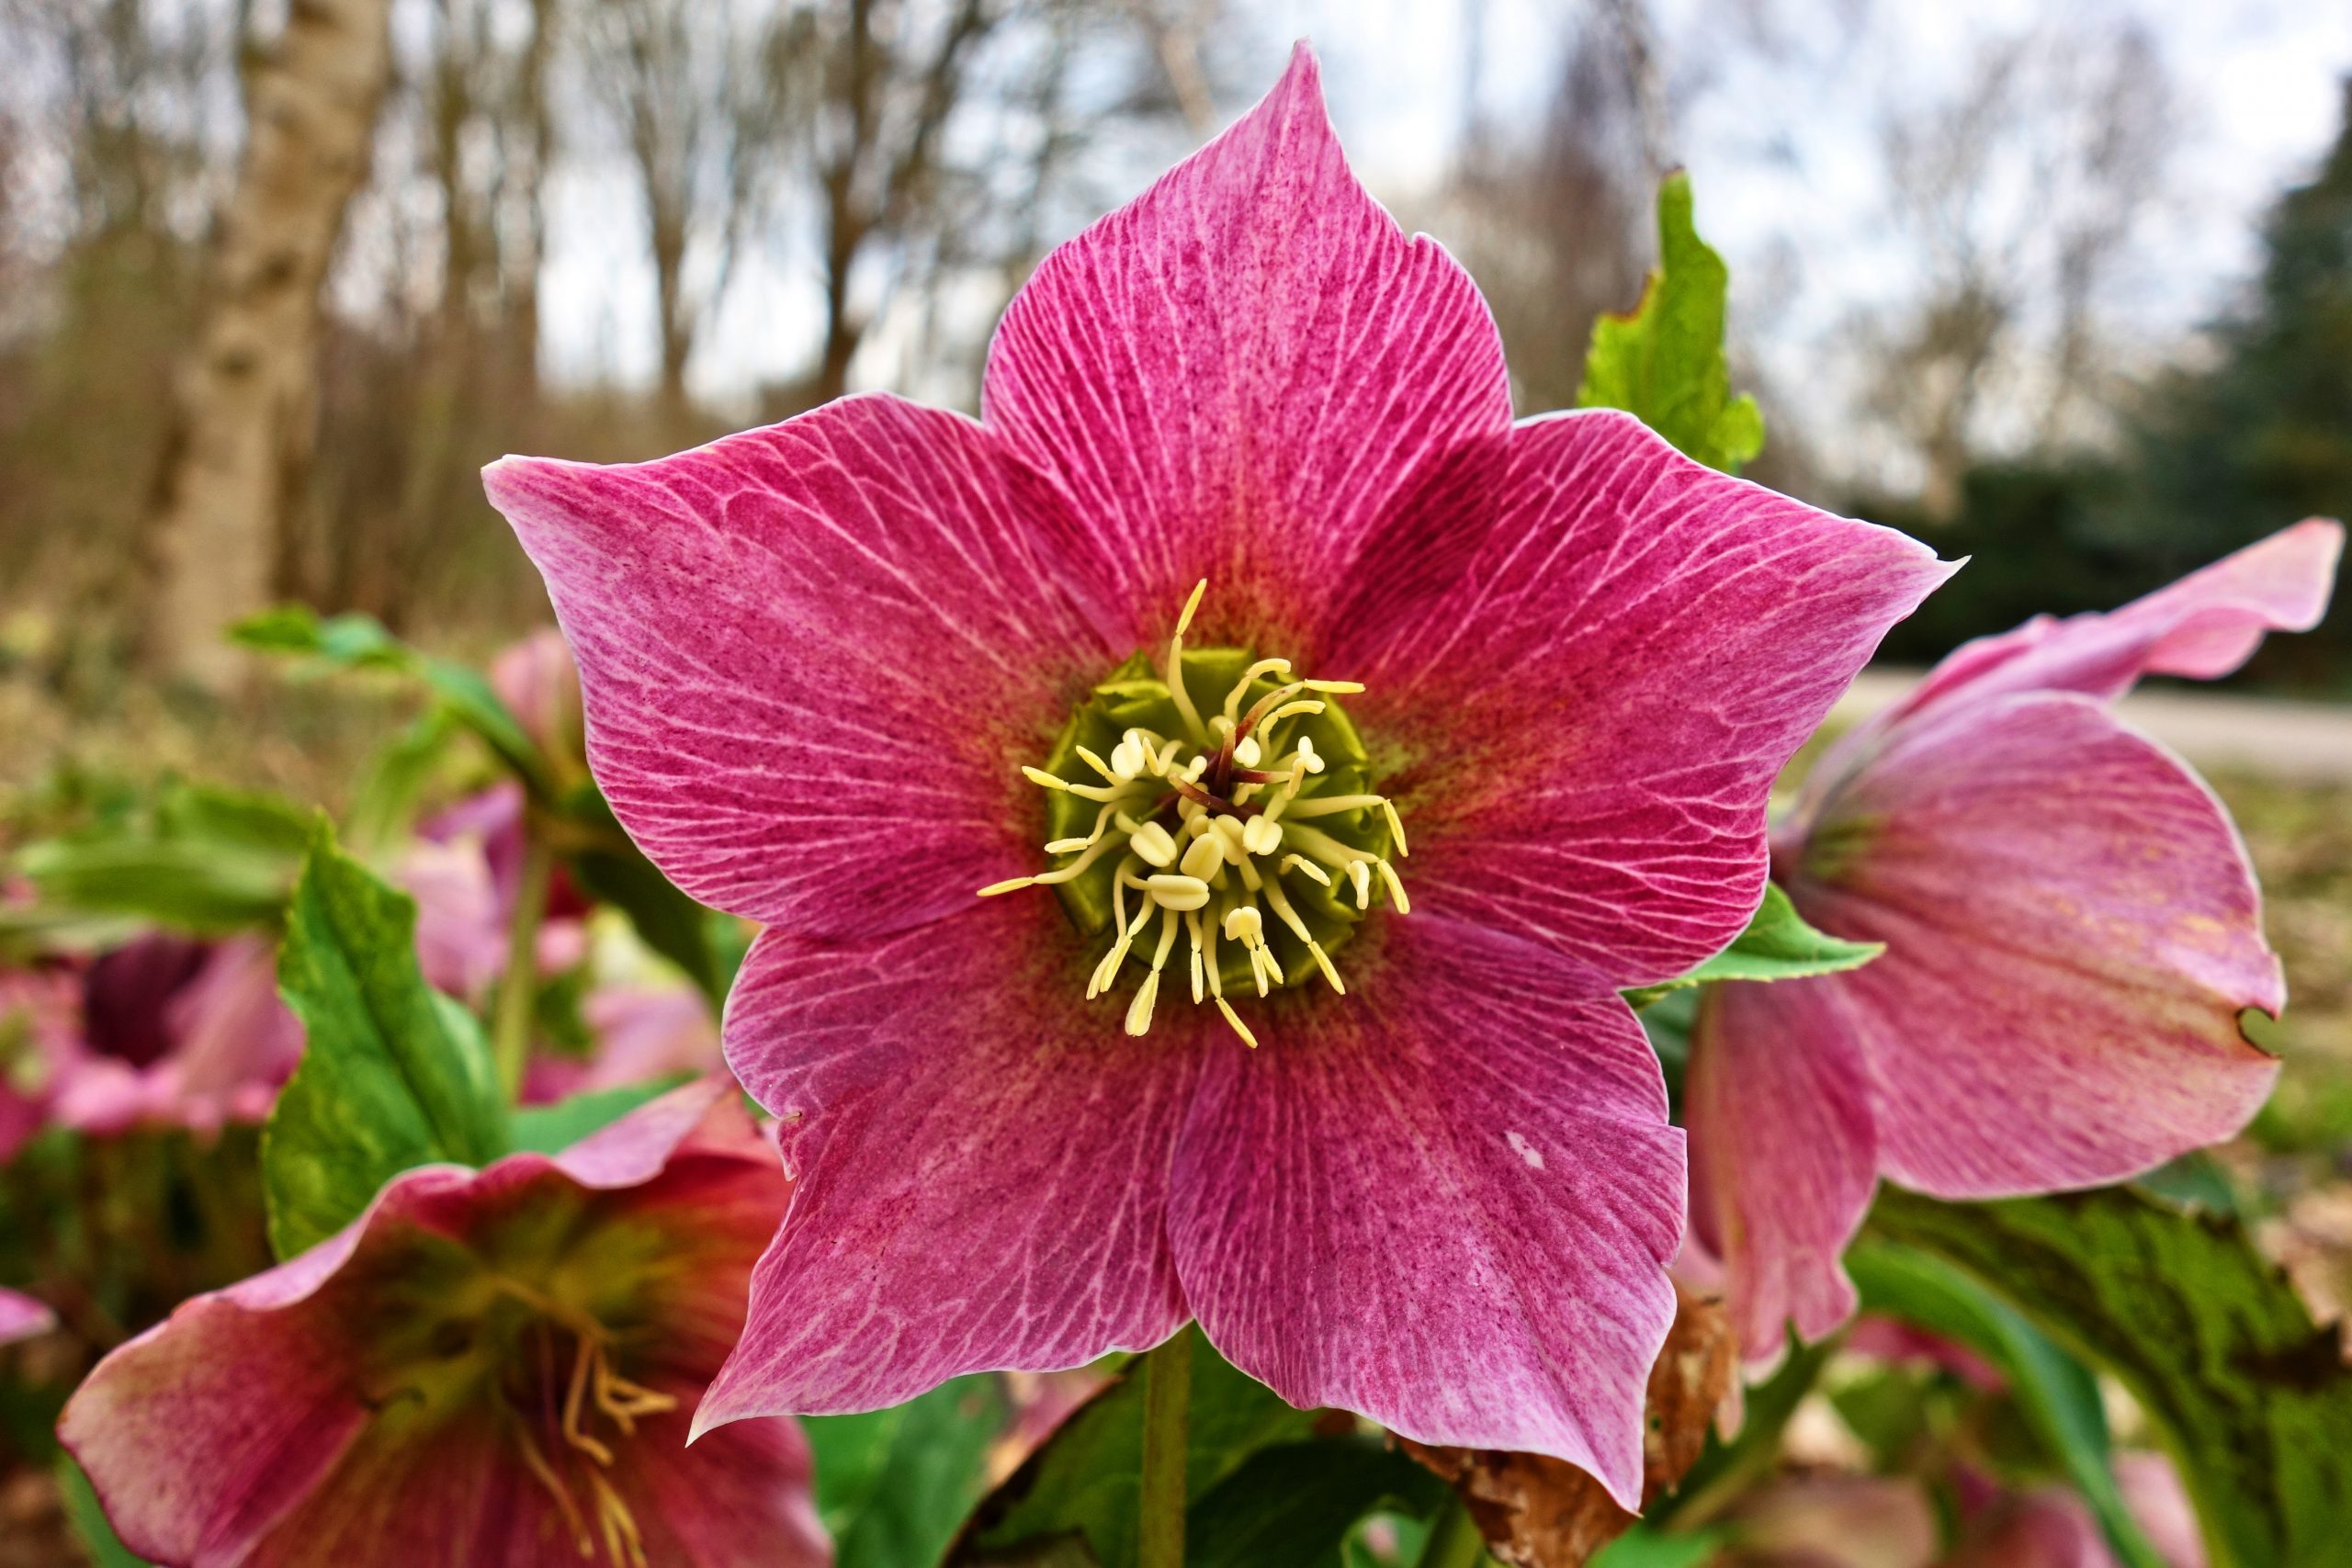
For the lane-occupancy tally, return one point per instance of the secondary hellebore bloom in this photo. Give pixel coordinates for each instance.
(22, 1317)
(818, 660)
(489, 1367)
(2072, 932)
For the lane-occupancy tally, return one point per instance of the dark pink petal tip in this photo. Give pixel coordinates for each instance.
(1239, 376)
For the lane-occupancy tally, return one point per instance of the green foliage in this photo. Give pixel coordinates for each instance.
(552, 1129)
(1298, 1502)
(1665, 363)
(1084, 1481)
(89, 1520)
(893, 1485)
(209, 862)
(1777, 945)
(2057, 1396)
(395, 1074)
(358, 642)
(609, 867)
(2254, 1400)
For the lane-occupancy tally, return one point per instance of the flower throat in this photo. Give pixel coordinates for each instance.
(1218, 801)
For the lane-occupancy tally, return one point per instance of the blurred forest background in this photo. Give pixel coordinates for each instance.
(240, 365)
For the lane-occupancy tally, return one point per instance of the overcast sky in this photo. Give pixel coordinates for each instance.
(1776, 174)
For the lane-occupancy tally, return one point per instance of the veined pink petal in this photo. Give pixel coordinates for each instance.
(2073, 929)
(982, 1161)
(274, 1423)
(814, 657)
(1239, 376)
(1783, 1154)
(2202, 627)
(1593, 689)
(1448, 1204)
(21, 1316)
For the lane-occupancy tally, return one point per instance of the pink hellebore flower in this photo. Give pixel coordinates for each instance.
(2071, 931)
(535, 677)
(489, 1368)
(817, 659)
(465, 873)
(22, 1317)
(178, 1032)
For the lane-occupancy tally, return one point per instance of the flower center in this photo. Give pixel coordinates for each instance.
(1220, 802)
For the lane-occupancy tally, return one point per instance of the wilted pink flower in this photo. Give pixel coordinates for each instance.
(2072, 932)
(489, 1367)
(818, 658)
(177, 1032)
(22, 1317)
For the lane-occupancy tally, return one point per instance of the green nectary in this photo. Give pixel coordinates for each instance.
(1136, 696)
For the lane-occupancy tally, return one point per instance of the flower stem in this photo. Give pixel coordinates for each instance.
(1166, 1402)
(518, 987)
(1455, 1541)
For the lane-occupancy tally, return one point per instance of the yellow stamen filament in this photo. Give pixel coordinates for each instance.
(1200, 849)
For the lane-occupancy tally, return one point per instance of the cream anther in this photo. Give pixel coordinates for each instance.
(1152, 843)
(1203, 857)
(1176, 891)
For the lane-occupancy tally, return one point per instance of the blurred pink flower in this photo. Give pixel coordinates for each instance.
(22, 1317)
(2046, 1528)
(170, 1031)
(2072, 929)
(492, 1367)
(465, 872)
(642, 1033)
(815, 658)
(535, 678)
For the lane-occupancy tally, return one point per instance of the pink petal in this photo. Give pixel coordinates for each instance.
(2160, 1506)
(2047, 1527)
(230, 1027)
(22, 1317)
(814, 657)
(982, 1161)
(249, 1426)
(2202, 627)
(1240, 375)
(1447, 1204)
(2073, 929)
(1782, 1153)
(1593, 687)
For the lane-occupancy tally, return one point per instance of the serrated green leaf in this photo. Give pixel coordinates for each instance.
(357, 642)
(1777, 945)
(1084, 1481)
(1664, 363)
(1296, 1502)
(893, 1485)
(394, 1073)
(2057, 1395)
(2254, 1400)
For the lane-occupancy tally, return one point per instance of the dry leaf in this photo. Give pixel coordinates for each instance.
(1537, 1512)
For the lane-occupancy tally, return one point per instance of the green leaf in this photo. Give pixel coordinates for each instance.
(211, 862)
(1777, 945)
(612, 869)
(384, 803)
(89, 1520)
(552, 1129)
(358, 642)
(893, 1485)
(1642, 1547)
(1297, 1502)
(2058, 1397)
(1084, 1481)
(1664, 363)
(2254, 1399)
(395, 1074)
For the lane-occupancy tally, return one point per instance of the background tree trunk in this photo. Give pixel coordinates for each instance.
(247, 397)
